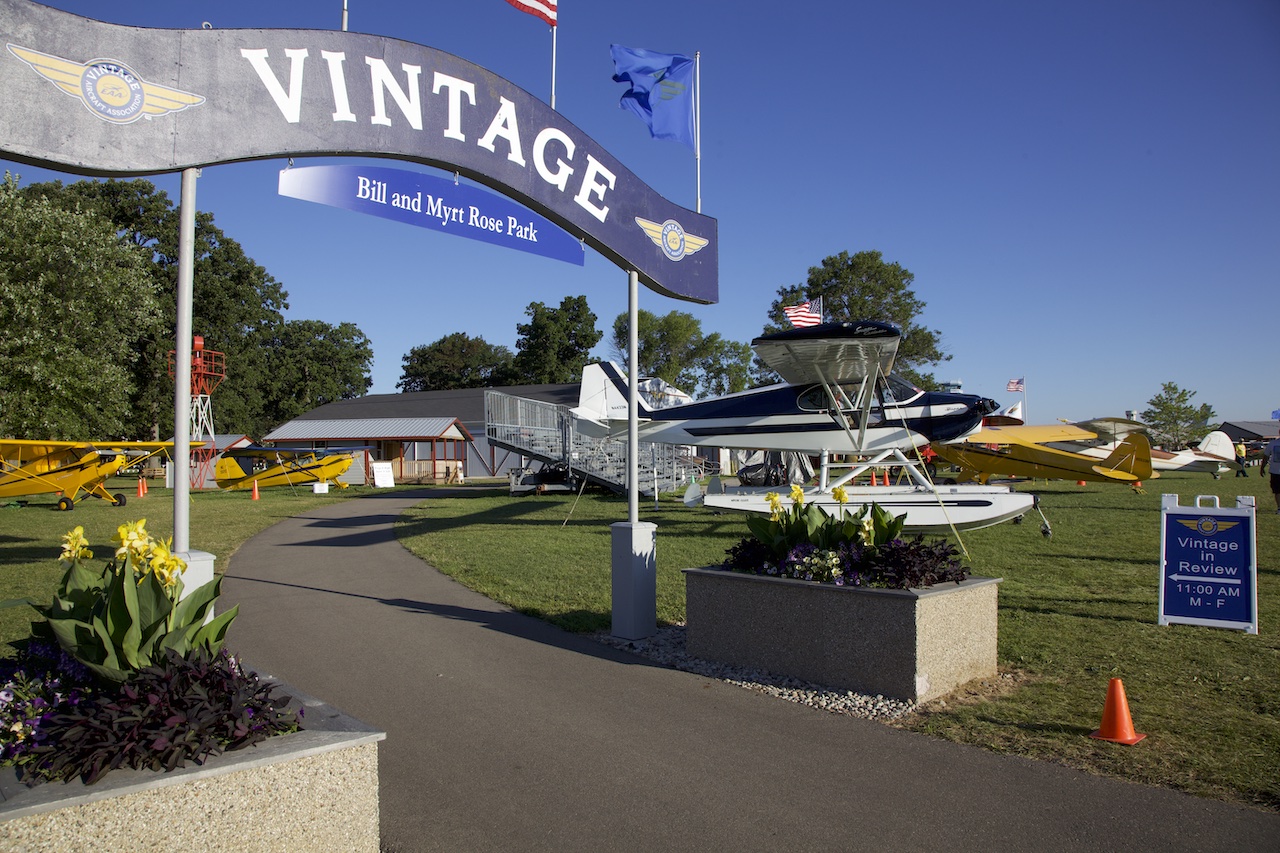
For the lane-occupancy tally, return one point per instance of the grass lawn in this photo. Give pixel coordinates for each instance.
(31, 535)
(1076, 609)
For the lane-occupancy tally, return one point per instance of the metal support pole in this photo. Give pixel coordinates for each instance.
(634, 576)
(182, 365)
(633, 395)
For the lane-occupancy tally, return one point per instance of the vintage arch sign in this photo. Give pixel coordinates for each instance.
(102, 99)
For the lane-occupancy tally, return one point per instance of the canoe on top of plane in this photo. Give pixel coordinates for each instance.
(284, 466)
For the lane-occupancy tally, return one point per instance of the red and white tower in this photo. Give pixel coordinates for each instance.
(208, 369)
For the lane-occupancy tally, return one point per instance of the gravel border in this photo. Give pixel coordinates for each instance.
(667, 647)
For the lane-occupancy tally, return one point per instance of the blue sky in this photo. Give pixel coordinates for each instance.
(1087, 192)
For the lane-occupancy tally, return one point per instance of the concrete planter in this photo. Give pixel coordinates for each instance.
(914, 644)
(316, 789)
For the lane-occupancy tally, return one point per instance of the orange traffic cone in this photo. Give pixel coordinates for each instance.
(142, 490)
(1117, 725)
(255, 491)
(1081, 483)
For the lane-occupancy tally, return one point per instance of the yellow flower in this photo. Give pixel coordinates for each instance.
(75, 547)
(841, 496)
(164, 564)
(797, 495)
(868, 529)
(133, 539)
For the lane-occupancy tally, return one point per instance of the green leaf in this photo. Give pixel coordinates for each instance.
(193, 608)
(214, 634)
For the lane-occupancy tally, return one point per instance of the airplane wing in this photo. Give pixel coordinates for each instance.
(1112, 429)
(23, 447)
(830, 352)
(1029, 434)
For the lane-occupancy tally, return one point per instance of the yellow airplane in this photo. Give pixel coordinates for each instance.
(285, 466)
(74, 469)
(1038, 451)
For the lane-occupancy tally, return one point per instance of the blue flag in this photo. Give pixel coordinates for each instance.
(661, 90)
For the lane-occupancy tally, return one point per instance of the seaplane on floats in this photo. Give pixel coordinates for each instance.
(838, 397)
(74, 470)
(283, 466)
(1048, 452)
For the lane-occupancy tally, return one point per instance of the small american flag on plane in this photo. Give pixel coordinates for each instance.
(805, 314)
(1016, 385)
(544, 9)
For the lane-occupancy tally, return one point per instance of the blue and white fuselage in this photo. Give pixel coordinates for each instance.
(845, 401)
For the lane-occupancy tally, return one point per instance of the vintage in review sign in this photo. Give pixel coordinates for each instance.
(1209, 563)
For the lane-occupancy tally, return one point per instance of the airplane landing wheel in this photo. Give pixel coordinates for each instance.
(117, 500)
(66, 504)
(1018, 520)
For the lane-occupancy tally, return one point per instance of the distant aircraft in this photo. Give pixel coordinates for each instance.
(285, 466)
(1214, 455)
(75, 469)
(838, 397)
(1051, 452)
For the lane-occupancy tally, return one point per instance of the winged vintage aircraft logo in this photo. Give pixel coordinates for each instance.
(1208, 525)
(108, 88)
(671, 238)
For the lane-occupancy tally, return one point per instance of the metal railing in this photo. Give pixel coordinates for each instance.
(544, 431)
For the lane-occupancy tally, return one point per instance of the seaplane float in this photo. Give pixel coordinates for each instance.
(839, 401)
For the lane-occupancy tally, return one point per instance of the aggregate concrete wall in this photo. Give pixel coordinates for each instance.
(915, 644)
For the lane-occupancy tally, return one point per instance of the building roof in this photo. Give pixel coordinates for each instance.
(1250, 430)
(362, 429)
(465, 404)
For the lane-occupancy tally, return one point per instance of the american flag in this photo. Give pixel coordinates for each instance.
(805, 314)
(1016, 385)
(544, 9)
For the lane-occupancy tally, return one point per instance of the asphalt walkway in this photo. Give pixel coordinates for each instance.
(505, 733)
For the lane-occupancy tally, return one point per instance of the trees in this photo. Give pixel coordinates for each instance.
(1173, 418)
(455, 361)
(866, 287)
(556, 342)
(78, 300)
(673, 348)
(310, 363)
(237, 308)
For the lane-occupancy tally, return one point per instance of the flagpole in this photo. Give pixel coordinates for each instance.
(553, 66)
(697, 122)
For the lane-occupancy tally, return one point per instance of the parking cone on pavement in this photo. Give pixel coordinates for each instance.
(1117, 725)
(255, 491)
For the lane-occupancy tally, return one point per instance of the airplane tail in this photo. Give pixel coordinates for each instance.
(1130, 461)
(227, 472)
(602, 399)
(1218, 443)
